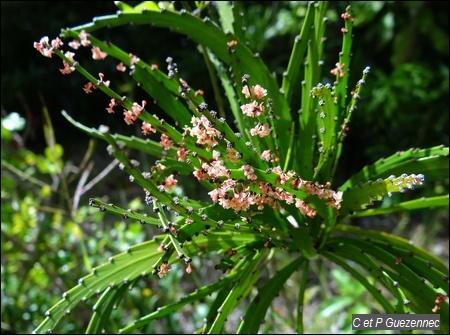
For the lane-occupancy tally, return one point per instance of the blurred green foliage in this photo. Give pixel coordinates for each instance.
(48, 243)
(44, 240)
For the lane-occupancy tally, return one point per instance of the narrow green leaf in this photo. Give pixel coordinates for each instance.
(248, 275)
(257, 309)
(393, 241)
(360, 277)
(103, 308)
(301, 297)
(123, 6)
(390, 262)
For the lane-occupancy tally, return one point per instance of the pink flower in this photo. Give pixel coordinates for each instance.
(232, 43)
(337, 197)
(98, 54)
(129, 117)
(249, 172)
(216, 169)
(240, 201)
(216, 194)
(163, 269)
(43, 43)
(260, 130)
(200, 175)
(345, 16)
(75, 44)
(88, 87)
(259, 92)
(84, 38)
(101, 77)
(43, 46)
(112, 104)
(181, 153)
(304, 208)
(147, 128)
(137, 109)
(166, 142)
(267, 156)
(67, 68)
(170, 181)
(120, 67)
(246, 92)
(253, 109)
(339, 69)
(133, 60)
(206, 134)
(132, 115)
(57, 43)
(70, 55)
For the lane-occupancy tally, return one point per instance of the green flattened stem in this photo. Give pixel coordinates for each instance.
(357, 198)
(120, 270)
(431, 162)
(374, 182)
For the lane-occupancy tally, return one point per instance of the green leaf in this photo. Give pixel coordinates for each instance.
(257, 309)
(249, 273)
(103, 308)
(393, 241)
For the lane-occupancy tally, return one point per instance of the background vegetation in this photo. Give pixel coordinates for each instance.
(50, 235)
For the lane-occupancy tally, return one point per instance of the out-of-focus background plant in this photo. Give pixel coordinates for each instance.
(49, 234)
